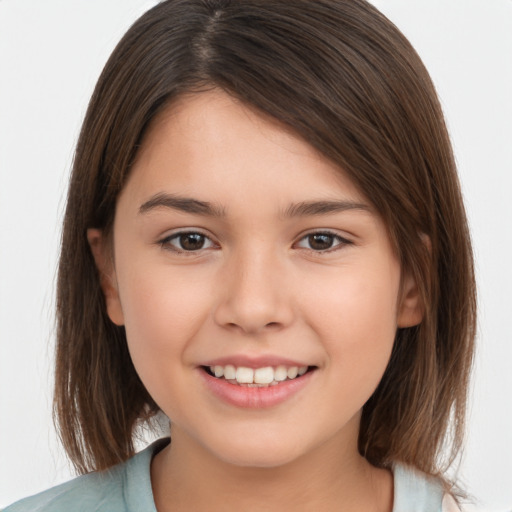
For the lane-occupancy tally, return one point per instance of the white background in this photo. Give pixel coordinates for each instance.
(51, 53)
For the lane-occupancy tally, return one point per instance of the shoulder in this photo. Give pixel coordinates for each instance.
(123, 488)
(87, 492)
(425, 493)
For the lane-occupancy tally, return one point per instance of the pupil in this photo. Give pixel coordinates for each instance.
(320, 242)
(192, 241)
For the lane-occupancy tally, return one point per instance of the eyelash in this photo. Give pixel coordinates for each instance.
(166, 243)
(341, 242)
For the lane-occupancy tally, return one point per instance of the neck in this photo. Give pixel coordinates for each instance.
(333, 477)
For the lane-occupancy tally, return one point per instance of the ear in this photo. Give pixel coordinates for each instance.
(108, 281)
(411, 307)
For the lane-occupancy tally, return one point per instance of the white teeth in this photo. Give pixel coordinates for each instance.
(260, 376)
(280, 373)
(292, 372)
(264, 375)
(244, 375)
(302, 370)
(229, 372)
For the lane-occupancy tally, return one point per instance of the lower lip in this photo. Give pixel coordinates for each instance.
(255, 397)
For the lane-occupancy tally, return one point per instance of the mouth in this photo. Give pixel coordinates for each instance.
(263, 377)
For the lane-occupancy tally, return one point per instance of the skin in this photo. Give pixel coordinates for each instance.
(259, 286)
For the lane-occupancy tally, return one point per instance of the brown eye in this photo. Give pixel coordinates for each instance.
(187, 242)
(191, 241)
(322, 242)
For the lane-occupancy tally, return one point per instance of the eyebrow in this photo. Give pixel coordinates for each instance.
(312, 208)
(184, 204)
(204, 208)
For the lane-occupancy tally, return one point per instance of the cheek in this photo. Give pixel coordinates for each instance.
(355, 314)
(163, 309)
(356, 297)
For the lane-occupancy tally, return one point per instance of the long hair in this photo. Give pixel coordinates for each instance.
(342, 77)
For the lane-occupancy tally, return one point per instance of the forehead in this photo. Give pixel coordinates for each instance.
(210, 143)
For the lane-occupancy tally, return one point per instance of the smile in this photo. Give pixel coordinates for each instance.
(256, 377)
(257, 387)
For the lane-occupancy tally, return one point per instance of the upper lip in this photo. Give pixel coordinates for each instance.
(253, 361)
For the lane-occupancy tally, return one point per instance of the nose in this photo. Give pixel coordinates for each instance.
(255, 294)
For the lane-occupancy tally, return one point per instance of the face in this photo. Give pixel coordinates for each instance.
(240, 251)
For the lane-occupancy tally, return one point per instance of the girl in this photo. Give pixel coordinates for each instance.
(265, 240)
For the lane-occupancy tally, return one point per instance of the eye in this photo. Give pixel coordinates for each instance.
(187, 241)
(322, 241)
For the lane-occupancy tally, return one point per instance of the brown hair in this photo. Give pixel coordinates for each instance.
(341, 76)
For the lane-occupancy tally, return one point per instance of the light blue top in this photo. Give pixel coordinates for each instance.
(127, 488)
